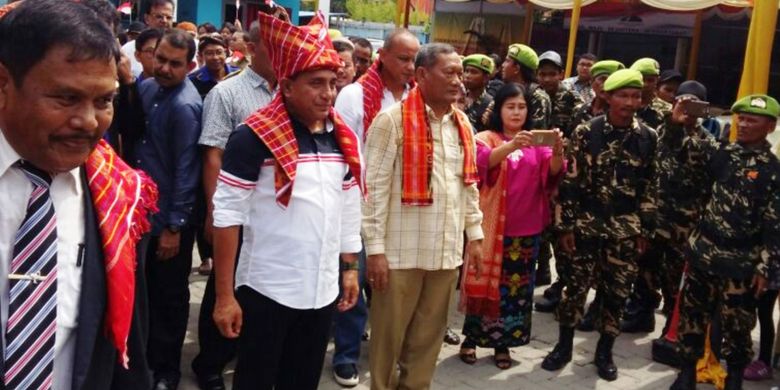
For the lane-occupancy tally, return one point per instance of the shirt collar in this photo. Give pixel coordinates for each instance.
(9, 157)
(432, 115)
(256, 80)
(297, 125)
(203, 73)
(407, 88)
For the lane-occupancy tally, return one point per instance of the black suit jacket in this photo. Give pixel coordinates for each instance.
(95, 366)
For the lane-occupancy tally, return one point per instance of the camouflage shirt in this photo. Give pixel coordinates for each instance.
(682, 183)
(738, 234)
(539, 108)
(477, 109)
(653, 114)
(582, 113)
(608, 194)
(563, 105)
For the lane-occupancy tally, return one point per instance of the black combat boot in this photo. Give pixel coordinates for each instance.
(552, 296)
(561, 354)
(606, 367)
(686, 379)
(734, 376)
(642, 321)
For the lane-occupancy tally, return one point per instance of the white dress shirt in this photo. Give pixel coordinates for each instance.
(67, 196)
(349, 105)
(289, 255)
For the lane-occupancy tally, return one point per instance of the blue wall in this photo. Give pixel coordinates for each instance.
(209, 11)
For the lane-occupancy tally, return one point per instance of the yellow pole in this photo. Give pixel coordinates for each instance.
(693, 64)
(573, 27)
(528, 23)
(758, 52)
(400, 6)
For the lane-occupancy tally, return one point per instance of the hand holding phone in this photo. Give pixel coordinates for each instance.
(696, 108)
(543, 137)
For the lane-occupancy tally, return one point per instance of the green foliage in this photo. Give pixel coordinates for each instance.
(380, 11)
(308, 5)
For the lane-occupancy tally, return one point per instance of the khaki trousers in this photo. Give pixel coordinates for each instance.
(408, 320)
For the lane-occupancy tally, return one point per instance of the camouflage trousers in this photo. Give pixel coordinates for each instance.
(705, 292)
(671, 261)
(608, 265)
(545, 250)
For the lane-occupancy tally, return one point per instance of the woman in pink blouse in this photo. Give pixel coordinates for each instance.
(516, 181)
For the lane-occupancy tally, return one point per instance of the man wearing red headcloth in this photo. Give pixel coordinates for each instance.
(291, 176)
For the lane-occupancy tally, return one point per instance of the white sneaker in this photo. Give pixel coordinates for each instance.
(346, 375)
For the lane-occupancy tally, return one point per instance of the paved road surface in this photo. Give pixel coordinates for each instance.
(632, 356)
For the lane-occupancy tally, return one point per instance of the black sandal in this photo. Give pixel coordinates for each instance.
(502, 359)
(468, 358)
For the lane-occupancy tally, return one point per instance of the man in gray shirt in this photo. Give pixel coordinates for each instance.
(225, 107)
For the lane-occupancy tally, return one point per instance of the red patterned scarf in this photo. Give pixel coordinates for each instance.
(123, 199)
(481, 296)
(373, 90)
(418, 151)
(272, 124)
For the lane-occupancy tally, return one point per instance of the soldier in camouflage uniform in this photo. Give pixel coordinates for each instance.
(583, 113)
(562, 98)
(682, 191)
(549, 74)
(477, 69)
(608, 212)
(654, 109)
(644, 298)
(520, 67)
(735, 246)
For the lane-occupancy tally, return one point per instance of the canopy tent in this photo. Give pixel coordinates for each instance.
(758, 51)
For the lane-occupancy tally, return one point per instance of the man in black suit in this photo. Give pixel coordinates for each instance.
(61, 322)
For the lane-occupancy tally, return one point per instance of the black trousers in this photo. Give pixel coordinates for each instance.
(169, 306)
(216, 351)
(280, 347)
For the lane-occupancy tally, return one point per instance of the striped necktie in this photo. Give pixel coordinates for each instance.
(32, 287)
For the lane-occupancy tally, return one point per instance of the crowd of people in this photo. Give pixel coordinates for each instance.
(333, 183)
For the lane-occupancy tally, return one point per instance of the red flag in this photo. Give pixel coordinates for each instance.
(125, 8)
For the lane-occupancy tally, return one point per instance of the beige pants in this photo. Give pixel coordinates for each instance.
(407, 326)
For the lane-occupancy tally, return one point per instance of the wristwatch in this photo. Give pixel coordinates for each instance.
(174, 228)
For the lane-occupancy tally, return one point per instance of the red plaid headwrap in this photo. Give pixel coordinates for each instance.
(294, 50)
(123, 199)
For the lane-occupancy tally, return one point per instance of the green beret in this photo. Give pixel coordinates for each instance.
(481, 62)
(524, 55)
(648, 66)
(605, 67)
(757, 104)
(623, 78)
